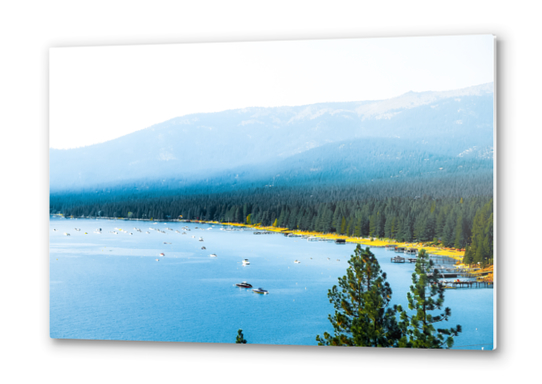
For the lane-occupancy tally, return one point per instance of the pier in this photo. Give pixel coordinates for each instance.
(468, 284)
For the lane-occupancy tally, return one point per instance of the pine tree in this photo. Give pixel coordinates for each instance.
(426, 295)
(481, 247)
(240, 339)
(359, 223)
(343, 226)
(350, 226)
(459, 233)
(362, 316)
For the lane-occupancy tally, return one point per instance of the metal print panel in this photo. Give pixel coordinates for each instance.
(320, 192)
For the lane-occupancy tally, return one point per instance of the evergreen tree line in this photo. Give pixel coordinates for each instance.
(480, 246)
(455, 222)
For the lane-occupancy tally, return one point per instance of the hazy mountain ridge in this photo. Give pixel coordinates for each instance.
(193, 146)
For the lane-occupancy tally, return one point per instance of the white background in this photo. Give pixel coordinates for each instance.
(28, 29)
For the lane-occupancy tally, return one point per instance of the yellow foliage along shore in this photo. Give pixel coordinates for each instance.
(439, 251)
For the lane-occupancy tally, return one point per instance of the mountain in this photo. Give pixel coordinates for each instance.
(355, 141)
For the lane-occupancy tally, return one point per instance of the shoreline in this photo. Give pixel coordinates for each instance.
(454, 254)
(377, 243)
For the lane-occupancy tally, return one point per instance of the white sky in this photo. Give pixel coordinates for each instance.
(101, 93)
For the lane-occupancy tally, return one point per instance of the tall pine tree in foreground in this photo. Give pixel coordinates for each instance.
(362, 317)
(426, 295)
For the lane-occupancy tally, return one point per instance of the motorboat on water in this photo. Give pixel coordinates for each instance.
(296, 261)
(162, 254)
(260, 291)
(244, 284)
(201, 239)
(246, 262)
(213, 254)
(203, 248)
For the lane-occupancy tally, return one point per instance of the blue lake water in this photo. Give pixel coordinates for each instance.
(110, 286)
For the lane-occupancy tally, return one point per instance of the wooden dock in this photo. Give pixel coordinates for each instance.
(468, 284)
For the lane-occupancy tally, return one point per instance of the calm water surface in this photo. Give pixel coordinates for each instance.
(110, 287)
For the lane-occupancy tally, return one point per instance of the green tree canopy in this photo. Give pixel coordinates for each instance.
(426, 295)
(361, 299)
(240, 339)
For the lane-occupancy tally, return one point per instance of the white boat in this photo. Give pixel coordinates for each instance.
(66, 234)
(296, 261)
(213, 254)
(162, 254)
(201, 239)
(260, 291)
(246, 262)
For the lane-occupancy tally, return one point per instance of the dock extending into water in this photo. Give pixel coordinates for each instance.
(468, 284)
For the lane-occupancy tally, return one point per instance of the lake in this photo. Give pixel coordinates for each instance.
(111, 287)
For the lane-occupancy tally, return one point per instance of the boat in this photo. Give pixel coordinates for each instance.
(260, 291)
(246, 262)
(66, 234)
(244, 284)
(162, 254)
(203, 248)
(201, 239)
(213, 255)
(296, 261)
